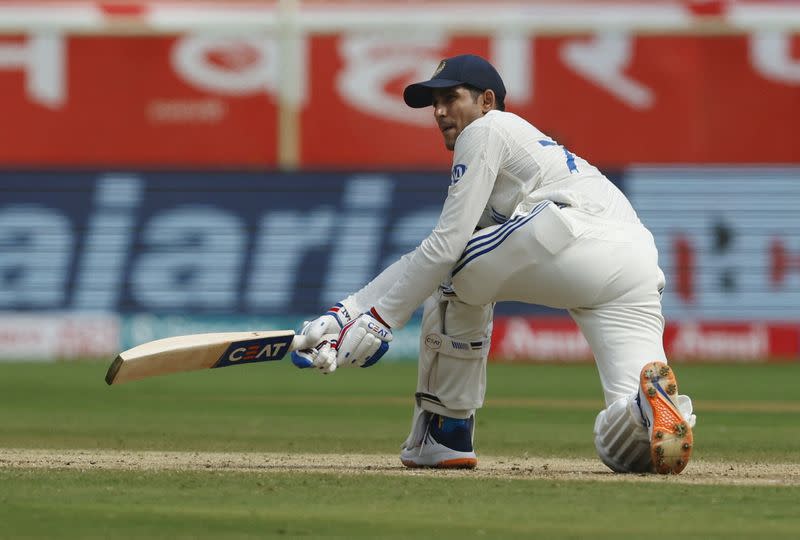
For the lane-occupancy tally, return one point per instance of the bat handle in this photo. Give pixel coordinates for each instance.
(298, 342)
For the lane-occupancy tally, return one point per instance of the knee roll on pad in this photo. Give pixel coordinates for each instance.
(621, 440)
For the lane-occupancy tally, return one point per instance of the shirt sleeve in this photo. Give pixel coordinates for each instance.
(478, 153)
(369, 295)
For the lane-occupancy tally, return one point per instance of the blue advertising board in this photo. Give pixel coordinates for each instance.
(215, 243)
(204, 242)
(728, 239)
(290, 244)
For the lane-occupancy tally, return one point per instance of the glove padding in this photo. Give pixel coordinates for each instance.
(322, 356)
(363, 341)
(331, 322)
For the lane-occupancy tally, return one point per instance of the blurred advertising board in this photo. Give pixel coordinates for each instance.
(212, 99)
(558, 340)
(728, 239)
(266, 244)
(278, 244)
(54, 336)
(105, 101)
(613, 98)
(516, 339)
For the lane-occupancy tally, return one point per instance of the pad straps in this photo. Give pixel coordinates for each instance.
(457, 348)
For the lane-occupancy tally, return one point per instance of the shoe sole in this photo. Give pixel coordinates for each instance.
(457, 463)
(671, 440)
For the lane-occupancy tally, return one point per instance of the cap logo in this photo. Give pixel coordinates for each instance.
(439, 68)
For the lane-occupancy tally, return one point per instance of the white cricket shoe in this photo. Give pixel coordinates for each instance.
(445, 444)
(669, 429)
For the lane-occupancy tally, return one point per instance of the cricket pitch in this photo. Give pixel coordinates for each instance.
(495, 467)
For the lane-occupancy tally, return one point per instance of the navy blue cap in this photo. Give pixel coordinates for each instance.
(463, 69)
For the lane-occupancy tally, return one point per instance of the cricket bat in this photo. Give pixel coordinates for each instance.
(200, 351)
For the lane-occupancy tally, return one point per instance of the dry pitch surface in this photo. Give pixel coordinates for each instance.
(556, 469)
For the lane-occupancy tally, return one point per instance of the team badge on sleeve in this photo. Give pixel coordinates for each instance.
(457, 174)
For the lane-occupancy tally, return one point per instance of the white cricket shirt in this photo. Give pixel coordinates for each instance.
(501, 165)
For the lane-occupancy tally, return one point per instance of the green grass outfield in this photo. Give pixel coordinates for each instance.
(748, 415)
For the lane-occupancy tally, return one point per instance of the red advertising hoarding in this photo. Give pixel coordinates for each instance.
(210, 100)
(135, 101)
(613, 99)
(536, 339)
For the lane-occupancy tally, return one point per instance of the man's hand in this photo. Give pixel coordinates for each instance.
(363, 341)
(330, 323)
(322, 357)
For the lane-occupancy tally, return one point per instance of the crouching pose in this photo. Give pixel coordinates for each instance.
(525, 220)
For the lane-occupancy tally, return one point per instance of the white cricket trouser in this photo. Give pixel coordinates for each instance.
(604, 272)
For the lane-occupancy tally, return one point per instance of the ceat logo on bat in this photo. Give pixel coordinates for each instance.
(458, 172)
(255, 350)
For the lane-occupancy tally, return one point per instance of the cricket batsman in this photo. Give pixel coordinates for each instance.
(525, 220)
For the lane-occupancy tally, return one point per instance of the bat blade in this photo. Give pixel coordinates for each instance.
(199, 351)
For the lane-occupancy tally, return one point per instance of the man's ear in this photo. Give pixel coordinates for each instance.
(489, 101)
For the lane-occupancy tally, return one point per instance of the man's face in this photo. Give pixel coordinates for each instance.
(454, 109)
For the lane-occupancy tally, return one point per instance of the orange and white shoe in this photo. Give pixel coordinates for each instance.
(445, 444)
(670, 433)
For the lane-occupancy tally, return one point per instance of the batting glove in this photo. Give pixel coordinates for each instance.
(331, 322)
(363, 341)
(322, 357)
